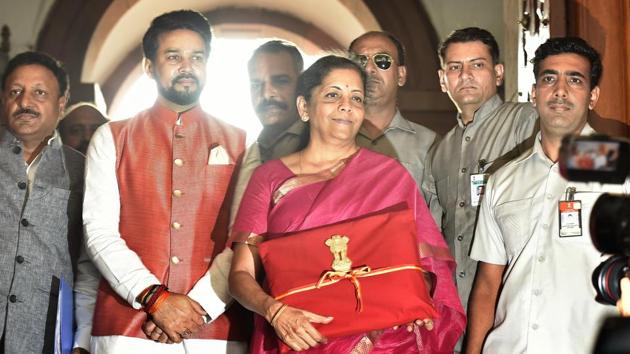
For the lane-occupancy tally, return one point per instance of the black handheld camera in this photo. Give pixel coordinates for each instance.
(603, 159)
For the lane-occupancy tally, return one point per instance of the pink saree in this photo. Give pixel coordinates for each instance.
(368, 183)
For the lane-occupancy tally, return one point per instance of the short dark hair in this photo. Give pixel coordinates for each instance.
(575, 45)
(42, 59)
(470, 34)
(315, 74)
(400, 48)
(278, 46)
(171, 21)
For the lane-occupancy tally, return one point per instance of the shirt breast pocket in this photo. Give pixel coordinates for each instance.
(515, 224)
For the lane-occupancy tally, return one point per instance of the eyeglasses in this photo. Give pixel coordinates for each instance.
(382, 61)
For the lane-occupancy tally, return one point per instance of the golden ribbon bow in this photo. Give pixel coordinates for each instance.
(334, 276)
(331, 277)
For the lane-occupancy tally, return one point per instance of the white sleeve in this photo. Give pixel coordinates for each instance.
(211, 291)
(119, 265)
(488, 245)
(85, 289)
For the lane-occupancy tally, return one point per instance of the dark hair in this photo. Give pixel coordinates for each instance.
(470, 34)
(315, 74)
(400, 48)
(575, 45)
(42, 59)
(171, 21)
(278, 46)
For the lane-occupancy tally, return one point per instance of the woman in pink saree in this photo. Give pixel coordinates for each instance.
(333, 180)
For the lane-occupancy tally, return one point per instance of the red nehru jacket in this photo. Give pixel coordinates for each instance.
(174, 207)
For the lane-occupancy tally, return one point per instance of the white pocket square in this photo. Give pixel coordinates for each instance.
(219, 156)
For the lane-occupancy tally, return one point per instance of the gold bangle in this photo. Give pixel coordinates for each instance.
(277, 314)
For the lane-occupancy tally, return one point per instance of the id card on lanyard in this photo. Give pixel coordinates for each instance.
(570, 215)
(478, 184)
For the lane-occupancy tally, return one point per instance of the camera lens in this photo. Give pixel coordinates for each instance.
(610, 224)
(606, 278)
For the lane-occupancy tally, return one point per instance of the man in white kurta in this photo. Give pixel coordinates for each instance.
(156, 208)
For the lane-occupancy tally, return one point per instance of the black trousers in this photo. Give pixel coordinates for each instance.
(2, 343)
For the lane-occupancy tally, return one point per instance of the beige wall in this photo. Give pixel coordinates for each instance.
(25, 19)
(447, 15)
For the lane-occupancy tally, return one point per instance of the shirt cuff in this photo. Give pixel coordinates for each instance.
(83, 315)
(138, 288)
(205, 295)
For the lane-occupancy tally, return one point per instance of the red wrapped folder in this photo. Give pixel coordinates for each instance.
(382, 287)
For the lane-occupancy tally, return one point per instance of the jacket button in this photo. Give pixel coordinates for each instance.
(175, 260)
(177, 193)
(178, 162)
(462, 204)
(176, 225)
(13, 298)
(460, 237)
(16, 150)
(24, 222)
(22, 185)
(19, 259)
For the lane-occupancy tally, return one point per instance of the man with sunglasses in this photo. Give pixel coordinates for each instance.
(487, 135)
(384, 129)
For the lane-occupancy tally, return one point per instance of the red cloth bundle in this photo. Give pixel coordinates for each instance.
(382, 287)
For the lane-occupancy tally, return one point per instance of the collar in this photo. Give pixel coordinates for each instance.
(8, 140)
(55, 139)
(398, 122)
(297, 128)
(483, 112)
(169, 116)
(538, 152)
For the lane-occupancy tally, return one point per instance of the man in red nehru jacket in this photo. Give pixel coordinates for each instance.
(156, 208)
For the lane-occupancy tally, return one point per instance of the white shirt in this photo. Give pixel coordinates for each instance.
(546, 304)
(118, 264)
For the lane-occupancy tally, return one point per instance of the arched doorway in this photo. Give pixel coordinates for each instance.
(100, 45)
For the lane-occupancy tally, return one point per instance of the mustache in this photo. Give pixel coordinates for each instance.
(266, 104)
(185, 77)
(26, 111)
(560, 102)
(372, 80)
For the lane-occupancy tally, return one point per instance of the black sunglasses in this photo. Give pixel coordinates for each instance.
(382, 61)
